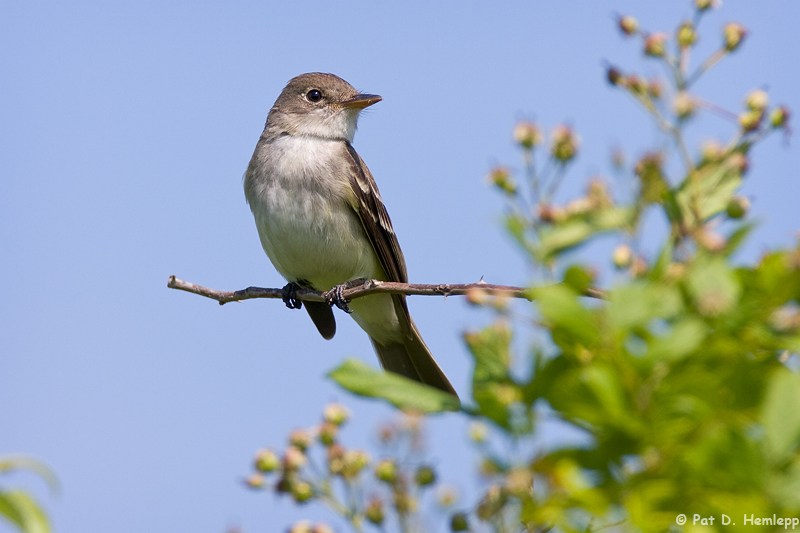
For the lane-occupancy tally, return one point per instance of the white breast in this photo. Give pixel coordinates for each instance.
(298, 191)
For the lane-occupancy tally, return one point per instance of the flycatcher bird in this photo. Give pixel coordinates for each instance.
(322, 222)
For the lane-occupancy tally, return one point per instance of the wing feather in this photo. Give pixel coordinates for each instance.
(375, 218)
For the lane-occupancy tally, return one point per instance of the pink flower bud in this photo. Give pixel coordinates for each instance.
(294, 459)
(425, 476)
(684, 105)
(386, 471)
(623, 255)
(303, 526)
(501, 178)
(628, 25)
(654, 44)
(375, 511)
(738, 207)
(459, 522)
(255, 481)
(750, 120)
(301, 491)
(266, 461)
(614, 76)
(712, 151)
(779, 117)
(703, 5)
(565, 144)
(636, 84)
(757, 100)
(327, 433)
(655, 88)
(739, 162)
(686, 35)
(733, 35)
(528, 134)
(336, 413)
(300, 439)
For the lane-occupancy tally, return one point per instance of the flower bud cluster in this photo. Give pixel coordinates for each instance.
(597, 197)
(756, 111)
(289, 473)
(528, 135)
(506, 482)
(288, 468)
(637, 85)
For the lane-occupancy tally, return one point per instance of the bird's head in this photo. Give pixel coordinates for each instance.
(318, 105)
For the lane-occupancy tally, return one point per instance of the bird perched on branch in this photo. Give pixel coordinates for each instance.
(322, 222)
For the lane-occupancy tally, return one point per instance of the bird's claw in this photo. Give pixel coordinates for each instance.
(335, 297)
(289, 295)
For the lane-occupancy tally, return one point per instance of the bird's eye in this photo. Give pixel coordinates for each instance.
(314, 95)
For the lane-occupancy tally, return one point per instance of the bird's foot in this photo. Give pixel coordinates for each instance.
(290, 295)
(335, 297)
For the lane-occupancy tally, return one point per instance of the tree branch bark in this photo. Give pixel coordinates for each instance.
(365, 287)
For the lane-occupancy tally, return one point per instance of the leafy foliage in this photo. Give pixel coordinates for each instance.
(17, 506)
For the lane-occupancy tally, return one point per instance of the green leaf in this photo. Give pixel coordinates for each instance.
(516, 227)
(491, 349)
(638, 303)
(403, 393)
(578, 278)
(22, 511)
(713, 285)
(494, 399)
(780, 415)
(24, 462)
(659, 268)
(608, 391)
(707, 191)
(684, 337)
(786, 485)
(738, 237)
(577, 229)
(559, 304)
(492, 388)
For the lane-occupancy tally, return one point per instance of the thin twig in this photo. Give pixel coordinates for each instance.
(714, 108)
(361, 288)
(707, 64)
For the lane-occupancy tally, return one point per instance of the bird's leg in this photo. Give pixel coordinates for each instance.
(290, 296)
(335, 296)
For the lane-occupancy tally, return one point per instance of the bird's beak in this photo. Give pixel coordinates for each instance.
(360, 101)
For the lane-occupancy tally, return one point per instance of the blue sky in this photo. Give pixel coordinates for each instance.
(125, 130)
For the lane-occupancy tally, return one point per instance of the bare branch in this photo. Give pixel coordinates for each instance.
(360, 288)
